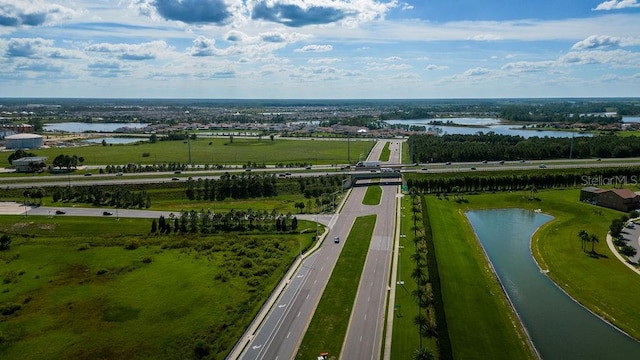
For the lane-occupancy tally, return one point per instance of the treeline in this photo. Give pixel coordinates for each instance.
(102, 196)
(234, 186)
(207, 222)
(522, 181)
(248, 185)
(490, 146)
(317, 186)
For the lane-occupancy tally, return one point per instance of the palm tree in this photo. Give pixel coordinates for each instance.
(584, 237)
(423, 354)
(421, 322)
(418, 274)
(593, 239)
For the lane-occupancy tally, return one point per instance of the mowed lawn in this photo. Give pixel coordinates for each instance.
(480, 320)
(82, 295)
(216, 151)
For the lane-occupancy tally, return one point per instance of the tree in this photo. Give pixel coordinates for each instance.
(423, 354)
(584, 237)
(153, 138)
(294, 223)
(271, 137)
(154, 226)
(5, 242)
(616, 227)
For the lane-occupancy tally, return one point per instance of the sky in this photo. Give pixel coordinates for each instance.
(319, 49)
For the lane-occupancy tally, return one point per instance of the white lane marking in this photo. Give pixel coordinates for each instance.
(256, 347)
(307, 297)
(300, 276)
(282, 305)
(299, 312)
(289, 333)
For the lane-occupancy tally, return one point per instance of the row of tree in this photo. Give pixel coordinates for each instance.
(524, 180)
(235, 186)
(423, 293)
(207, 222)
(490, 146)
(102, 196)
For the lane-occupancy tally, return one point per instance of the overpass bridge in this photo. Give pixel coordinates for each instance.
(362, 178)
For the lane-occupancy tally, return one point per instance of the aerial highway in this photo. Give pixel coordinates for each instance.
(283, 325)
(364, 339)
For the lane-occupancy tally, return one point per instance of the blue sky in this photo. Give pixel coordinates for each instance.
(353, 49)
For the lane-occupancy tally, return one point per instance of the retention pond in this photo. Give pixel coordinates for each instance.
(559, 327)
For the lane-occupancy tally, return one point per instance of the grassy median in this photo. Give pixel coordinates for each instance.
(328, 327)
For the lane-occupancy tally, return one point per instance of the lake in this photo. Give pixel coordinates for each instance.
(485, 125)
(79, 127)
(558, 326)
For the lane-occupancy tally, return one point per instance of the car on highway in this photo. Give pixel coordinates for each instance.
(336, 239)
(424, 169)
(119, 173)
(473, 168)
(448, 163)
(175, 179)
(107, 213)
(87, 174)
(60, 212)
(542, 166)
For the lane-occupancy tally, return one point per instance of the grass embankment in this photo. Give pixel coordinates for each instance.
(385, 154)
(328, 327)
(221, 151)
(372, 195)
(82, 295)
(406, 338)
(601, 283)
(480, 321)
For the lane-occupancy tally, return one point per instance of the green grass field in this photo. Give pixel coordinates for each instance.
(385, 154)
(328, 326)
(405, 338)
(480, 320)
(602, 283)
(221, 151)
(82, 295)
(372, 195)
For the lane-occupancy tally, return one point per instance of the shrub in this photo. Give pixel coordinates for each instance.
(5, 242)
(102, 272)
(83, 247)
(8, 309)
(9, 277)
(131, 244)
(147, 259)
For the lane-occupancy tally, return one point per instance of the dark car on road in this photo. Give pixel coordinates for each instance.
(107, 213)
(60, 212)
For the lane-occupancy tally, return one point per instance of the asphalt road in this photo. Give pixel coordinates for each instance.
(364, 338)
(283, 328)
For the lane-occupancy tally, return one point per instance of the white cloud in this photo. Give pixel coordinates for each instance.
(144, 51)
(32, 13)
(603, 41)
(323, 61)
(315, 48)
(433, 67)
(486, 37)
(617, 4)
